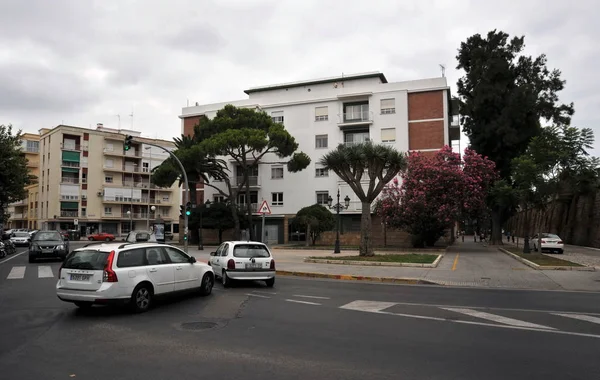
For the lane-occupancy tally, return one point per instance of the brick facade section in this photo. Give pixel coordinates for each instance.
(426, 105)
(188, 125)
(426, 135)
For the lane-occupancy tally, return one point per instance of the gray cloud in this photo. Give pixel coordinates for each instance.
(86, 61)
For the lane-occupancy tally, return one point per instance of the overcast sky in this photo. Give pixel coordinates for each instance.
(83, 62)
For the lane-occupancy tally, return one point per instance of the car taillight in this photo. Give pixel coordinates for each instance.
(109, 274)
(272, 264)
(543, 241)
(231, 264)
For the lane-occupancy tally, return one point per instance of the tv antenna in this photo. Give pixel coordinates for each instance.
(443, 70)
(131, 115)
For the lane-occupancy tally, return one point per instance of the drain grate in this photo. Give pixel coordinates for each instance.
(196, 326)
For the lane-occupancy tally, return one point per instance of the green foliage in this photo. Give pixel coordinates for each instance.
(217, 216)
(317, 218)
(503, 96)
(14, 176)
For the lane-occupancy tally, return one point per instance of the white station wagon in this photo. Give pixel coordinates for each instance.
(131, 274)
(243, 260)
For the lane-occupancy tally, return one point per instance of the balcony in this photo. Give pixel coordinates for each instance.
(32, 149)
(355, 118)
(33, 164)
(69, 197)
(19, 203)
(69, 180)
(17, 216)
(73, 147)
(253, 206)
(70, 164)
(252, 180)
(69, 214)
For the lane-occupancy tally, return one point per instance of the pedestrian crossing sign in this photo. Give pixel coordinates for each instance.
(264, 208)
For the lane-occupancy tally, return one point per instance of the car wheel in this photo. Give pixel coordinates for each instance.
(141, 299)
(225, 280)
(83, 305)
(207, 284)
(31, 259)
(270, 282)
(107, 239)
(91, 238)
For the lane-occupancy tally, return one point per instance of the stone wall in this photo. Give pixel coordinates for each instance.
(576, 220)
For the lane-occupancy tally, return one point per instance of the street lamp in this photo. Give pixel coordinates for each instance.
(130, 221)
(149, 187)
(152, 209)
(200, 238)
(338, 206)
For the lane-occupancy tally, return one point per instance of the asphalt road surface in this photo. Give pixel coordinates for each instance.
(301, 329)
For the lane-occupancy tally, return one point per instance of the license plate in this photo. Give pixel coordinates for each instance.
(80, 277)
(253, 266)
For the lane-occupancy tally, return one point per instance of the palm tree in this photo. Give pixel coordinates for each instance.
(379, 164)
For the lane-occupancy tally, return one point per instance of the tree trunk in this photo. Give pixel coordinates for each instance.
(237, 230)
(308, 237)
(497, 221)
(248, 203)
(220, 236)
(366, 243)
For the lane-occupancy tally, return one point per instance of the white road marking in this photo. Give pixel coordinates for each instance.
(16, 273)
(12, 257)
(45, 272)
(260, 291)
(581, 317)
(315, 297)
(256, 295)
(304, 302)
(497, 318)
(368, 306)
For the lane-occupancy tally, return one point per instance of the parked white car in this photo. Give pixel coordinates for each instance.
(133, 274)
(550, 242)
(20, 238)
(243, 260)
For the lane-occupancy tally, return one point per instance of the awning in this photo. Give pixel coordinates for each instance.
(69, 205)
(70, 156)
(70, 170)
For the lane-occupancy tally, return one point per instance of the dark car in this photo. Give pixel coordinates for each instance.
(48, 244)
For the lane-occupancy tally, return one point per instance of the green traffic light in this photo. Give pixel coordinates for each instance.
(126, 147)
(188, 213)
(184, 237)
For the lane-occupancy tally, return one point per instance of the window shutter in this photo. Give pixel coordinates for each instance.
(388, 134)
(388, 103)
(321, 111)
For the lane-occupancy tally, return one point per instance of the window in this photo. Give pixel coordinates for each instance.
(321, 172)
(84, 212)
(250, 250)
(33, 146)
(388, 135)
(357, 137)
(277, 199)
(321, 113)
(218, 199)
(108, 179)
(388, 106)
(322, 198)
(277, 172)
(109, 147)
(156, 256)
(108, 210)
(356, 112)
(321, 141)
(176, 256)
(277, 117)
(108, 162)
(90, 260)
(132, 258)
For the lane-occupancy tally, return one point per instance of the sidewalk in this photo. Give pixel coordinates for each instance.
(578, 254)
(464, 264)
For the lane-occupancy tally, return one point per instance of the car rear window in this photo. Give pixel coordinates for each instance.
(47, 236)
(142, 236)
(550, 236)
(87, 259)
(250, 250)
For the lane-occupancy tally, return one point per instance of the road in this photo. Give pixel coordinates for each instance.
(302, 328)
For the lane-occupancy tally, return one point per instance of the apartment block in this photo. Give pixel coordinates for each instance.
(22, 213)
(415, 115)
(88, 182)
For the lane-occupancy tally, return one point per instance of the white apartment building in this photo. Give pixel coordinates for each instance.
(88, 182)
(320, 114)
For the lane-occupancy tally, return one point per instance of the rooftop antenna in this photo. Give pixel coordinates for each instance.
(443, 70)
(119, 116)
(131, 115)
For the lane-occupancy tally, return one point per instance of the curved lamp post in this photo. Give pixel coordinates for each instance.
(338, 206)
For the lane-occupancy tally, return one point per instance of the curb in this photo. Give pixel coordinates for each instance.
(380, 249)
(375, 263)
(347, 277)
(547, 267)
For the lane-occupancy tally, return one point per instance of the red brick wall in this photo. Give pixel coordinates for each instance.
(188, 125)
(423, 106)
(426, 135)
(426, 105)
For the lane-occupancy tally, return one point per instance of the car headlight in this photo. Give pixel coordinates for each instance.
(60, 247)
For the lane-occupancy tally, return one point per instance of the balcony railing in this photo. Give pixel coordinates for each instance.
(252, 180)
(67, 146)
(70, 164)
(348, 143)
(244, 206)
(31, 149)
(17, 216)
(357, 117)
(69, 180)
(69, 214)
(69, 197)
(19, 203)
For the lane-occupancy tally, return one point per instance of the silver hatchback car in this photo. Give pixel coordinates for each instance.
(243, 260)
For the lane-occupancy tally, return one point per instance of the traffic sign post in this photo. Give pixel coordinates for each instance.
(264, 209)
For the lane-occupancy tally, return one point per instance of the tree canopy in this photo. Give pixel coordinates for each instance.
(14, 176)
(317, 219)
(378, 164)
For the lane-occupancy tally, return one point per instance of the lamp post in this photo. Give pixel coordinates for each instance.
(200, 237)
(338, 206)
(149, 187)
(130, 221)
(152, 209)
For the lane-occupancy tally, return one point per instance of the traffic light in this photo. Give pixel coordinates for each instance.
(127, 143)
(188, 208)
(185, 237)
(181, 210)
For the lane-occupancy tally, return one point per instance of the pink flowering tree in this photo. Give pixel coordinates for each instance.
(435, 192)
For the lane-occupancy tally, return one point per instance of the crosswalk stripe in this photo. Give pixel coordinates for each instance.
(368, 306)
(497, 318)
(581, 317)
(16, 273)
(304, 302)
(45, 272)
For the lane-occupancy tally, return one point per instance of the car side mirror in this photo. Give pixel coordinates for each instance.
(213, 253)
(192, 259)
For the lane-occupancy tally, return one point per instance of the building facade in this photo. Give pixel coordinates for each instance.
(22, 213)
(320, 114)
(89, 183)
